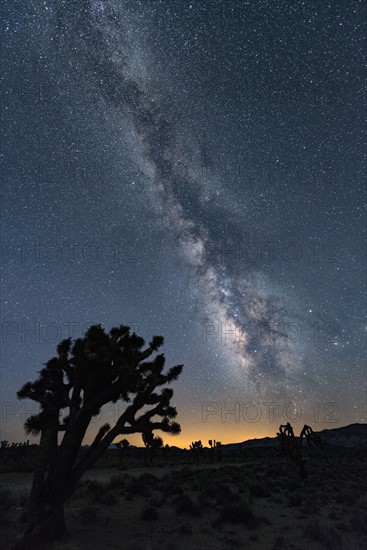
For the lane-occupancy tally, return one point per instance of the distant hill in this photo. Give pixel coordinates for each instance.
(354, 435)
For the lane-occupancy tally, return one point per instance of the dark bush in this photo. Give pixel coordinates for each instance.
(258, 491)
(98, 493)
(88, 515)
(5, 500)
(117, 482)
(149, 514)
(184, 530)
(295, 499)
(185, 505)
(137, 486)
(238, 513)
(225, 494)
(170, 489)
(147, 477)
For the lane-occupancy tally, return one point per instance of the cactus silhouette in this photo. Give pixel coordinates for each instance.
(123, 446)
(291, 446)
(84, 375)
(152, 444)
(196, 448)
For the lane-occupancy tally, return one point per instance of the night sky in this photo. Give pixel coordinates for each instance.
(194, 169)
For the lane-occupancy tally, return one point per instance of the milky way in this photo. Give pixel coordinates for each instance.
(242, 310)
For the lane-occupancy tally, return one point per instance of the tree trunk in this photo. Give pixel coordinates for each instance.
(45, 519)
(45, 522)
(48, 447)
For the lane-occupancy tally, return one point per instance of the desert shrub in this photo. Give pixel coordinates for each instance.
(224, 494)
(6, 499)
(363, 501)
(137, 486)
(81, 490)
(203, 501)
(293, 485)
(184, 530)
(170, 489)
(266, 520)
(279, 543)
(65, 545)
(272, 472)
(342, 526)
(185, 505)
(147, 477)
(238, 513)
(149, 514)
(22, 500)
(108, 499)
(156, 502)
(358, 523)
(208, 491)
(328, 536)
(98, 493)
(88, 515)
(258, 491)
(276, 500)
(184, 474)
(310, 507)
(194, 485)
(93, 488)
(347, 497)
(294, 499)
(117, 482)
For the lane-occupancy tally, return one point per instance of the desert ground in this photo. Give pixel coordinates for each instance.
(256, 504)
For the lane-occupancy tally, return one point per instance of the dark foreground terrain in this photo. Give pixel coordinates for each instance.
(260, 503)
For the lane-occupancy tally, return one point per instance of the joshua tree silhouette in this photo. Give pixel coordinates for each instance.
(86, 374)
(218, 448)
(291, 446)
(196, 447)
(123, 446)
(152, 443)
(215, 449)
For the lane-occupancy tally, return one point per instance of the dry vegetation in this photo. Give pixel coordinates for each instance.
(260, 504)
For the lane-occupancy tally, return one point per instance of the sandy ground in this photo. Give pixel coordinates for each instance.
(255, 505)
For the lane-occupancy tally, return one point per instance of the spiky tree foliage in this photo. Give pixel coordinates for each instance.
(122, 445)
(84, 375)
(151, 441)
(196, 447)
(291, 446)
(153, 444)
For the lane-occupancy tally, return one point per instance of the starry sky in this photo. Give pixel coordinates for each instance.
(194, 169)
